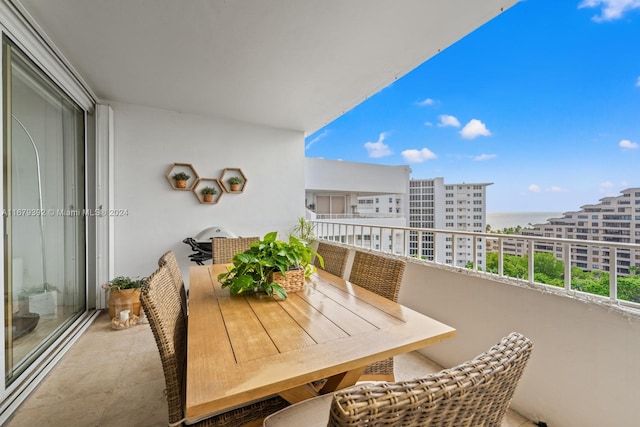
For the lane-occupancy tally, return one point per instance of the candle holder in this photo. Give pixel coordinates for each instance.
(124, 317)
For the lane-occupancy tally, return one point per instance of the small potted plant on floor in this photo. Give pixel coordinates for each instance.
(235, 182)
(181, 179)
(124, 288)
(208, 193)
(270, 265)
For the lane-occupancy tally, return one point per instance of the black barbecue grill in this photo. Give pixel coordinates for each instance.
(201, 243)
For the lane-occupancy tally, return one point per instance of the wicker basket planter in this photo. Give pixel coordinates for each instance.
(260, 266)
(293, 281)
(128, 294)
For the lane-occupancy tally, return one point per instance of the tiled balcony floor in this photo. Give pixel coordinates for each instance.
(114, 378)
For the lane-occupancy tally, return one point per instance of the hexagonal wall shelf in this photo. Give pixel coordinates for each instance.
(186, 168)
(229, 173)
(208, 182)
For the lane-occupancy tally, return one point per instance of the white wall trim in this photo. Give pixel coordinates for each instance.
(104, 200)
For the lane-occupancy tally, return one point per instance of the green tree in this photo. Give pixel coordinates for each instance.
(629, 288)
(547, 264)
(550, 271)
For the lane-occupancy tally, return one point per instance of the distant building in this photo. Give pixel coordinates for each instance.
(614, 219)
(434, 204)
(377, 195)
(386, 205)
(335, 189)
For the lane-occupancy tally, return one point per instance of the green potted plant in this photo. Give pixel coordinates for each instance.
(181, 179)
(267, 264)
(208, 193)
(304, 230)
(235, 182)
(123, 287)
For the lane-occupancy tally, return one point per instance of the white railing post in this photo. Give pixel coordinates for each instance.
(500, 256)
(435, 247)
(474, 253)
(567, 265)
(454, 249)
(532, 251)
(613, 274)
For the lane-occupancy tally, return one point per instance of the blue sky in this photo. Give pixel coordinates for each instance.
(543, 101)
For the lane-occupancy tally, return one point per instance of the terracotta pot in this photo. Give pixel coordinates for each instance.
(131, 294)
(235, 187)
(207, 198)
(181, 183)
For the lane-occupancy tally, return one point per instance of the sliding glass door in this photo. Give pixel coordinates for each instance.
(44, 221)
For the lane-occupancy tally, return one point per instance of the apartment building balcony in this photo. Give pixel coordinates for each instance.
(583, 371)
(211, 110)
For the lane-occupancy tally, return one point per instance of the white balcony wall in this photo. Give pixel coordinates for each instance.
(584, 369)
(148, 141)
(352, 177)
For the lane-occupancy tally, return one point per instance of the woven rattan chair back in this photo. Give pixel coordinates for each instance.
(161, 302)
(378, 273)
(334, 257)
(222, 250)
(475, 393)
(382, 275)
(169, 259)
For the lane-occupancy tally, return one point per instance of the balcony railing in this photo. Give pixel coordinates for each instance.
(584, 367)
(358, 215)
(410, 242)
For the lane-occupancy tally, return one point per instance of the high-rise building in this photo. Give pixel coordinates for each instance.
(614, 219)
(434, 204)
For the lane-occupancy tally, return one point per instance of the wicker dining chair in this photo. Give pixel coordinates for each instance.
(334, 257)
(222, 250)
(169, 259)
(161, 303)
(475, 393)
(382, 275)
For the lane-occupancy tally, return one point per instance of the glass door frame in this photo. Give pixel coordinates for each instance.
(39, 88)
(20, 29)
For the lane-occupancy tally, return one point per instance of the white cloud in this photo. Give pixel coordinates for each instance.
(379, 148)
(447, 120)
(483, 157)
(638, 82)
(535, 188)
(473, 129)
(606, 187)
(317, 138)
(611, 9)
(418, 156)
(426, 102)
(625, 144)
(428, 124)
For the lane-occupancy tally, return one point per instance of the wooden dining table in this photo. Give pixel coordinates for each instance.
(242, 348)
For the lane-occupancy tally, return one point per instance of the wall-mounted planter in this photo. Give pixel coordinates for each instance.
(186, 168)
(203, 183)
(233, 174)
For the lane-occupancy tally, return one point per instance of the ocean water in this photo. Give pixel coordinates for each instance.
(500, 220)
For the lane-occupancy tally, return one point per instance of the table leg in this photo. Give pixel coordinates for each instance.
(298, 394)
(342, 380)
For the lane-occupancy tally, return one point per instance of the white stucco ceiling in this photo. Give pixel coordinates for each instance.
(294, 64)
